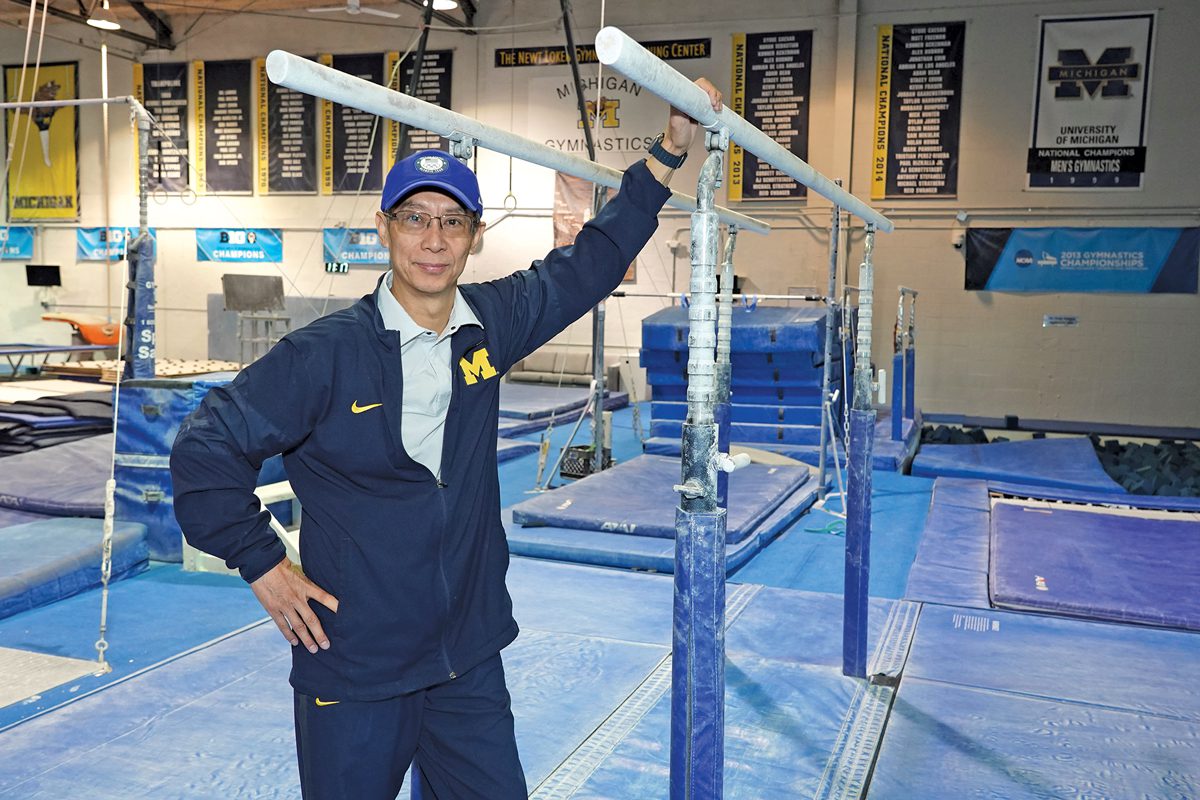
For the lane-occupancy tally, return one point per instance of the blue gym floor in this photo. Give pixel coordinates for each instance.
(994, 704)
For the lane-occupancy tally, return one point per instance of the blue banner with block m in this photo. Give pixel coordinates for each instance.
(1126, 260)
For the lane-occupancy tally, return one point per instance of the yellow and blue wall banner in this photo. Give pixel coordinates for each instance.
(16, 242)
(43, 179)
(1125, 260)
(240, 245)
(354, 246)
(99, 244)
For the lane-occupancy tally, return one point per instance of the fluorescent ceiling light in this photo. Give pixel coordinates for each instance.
(443, 5)
(104, 19)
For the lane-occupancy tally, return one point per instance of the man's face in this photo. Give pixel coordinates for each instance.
(426, 262)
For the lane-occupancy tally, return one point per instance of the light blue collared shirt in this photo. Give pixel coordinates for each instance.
(425, 362)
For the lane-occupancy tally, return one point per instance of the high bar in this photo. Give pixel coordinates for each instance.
(614, 48)
(294, 72)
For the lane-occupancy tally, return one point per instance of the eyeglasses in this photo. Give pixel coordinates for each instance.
(454, 226)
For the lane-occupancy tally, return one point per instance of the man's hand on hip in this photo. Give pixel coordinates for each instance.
(285, 593)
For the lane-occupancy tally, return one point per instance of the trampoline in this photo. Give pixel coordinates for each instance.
(1115, 562)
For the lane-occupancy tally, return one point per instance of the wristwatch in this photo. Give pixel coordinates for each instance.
(662, 156)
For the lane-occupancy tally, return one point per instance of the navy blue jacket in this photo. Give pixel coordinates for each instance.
(418, 567)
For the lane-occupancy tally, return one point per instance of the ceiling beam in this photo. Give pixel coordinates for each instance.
(162, 31)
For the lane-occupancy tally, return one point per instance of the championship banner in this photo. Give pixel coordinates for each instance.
(550, 55)
(918, 105)
(325, 112)
(1129, 260)
(354, 246)
(358, 137)
(1089, 112)
(240, 245)
(222, 120)
(771, 77)
(434, 87)
(287, 137)
(43, 178)
(16, 242)
(163, 90)
(98, 244)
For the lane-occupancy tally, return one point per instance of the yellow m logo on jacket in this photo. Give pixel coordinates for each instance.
(478, 367)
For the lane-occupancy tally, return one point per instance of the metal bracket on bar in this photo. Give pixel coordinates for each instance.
(462, 146)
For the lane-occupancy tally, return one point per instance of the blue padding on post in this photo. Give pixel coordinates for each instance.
(747, 432)
(1056, 659)
(508, 449)
(151, 411)
(1096, 565)
(66, 480)
(763, 415)
(765, 329)
(536, 400)
(858, 543)
(947, 742)
(637, 498)
(41, 562)
(1064, 463)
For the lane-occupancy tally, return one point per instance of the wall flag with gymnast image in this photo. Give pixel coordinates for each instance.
(240, 245)
(1090, 100)
(163, 90)
(16, 242)
(224, 152)
(1125, 260)
(43, 178)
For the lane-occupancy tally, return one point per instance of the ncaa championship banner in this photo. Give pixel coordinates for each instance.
(240, 245)
(1089, 112)
(98, 244)
(1127, 260)
(16, 242)
(354, 246)
(43, 178)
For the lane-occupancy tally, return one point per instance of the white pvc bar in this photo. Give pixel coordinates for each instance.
(615, 49)
(294, 72)
(87, 101)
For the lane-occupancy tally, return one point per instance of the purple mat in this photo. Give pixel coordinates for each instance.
(1095, 565)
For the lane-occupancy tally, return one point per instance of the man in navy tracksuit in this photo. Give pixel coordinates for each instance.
(386, 415)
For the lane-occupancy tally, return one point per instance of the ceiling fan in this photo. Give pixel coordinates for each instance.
(354, 7)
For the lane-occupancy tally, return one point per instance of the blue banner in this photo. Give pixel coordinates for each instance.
(96, 244)
(1128, 260)
(354, 246)
(16, 242)
(240, 245)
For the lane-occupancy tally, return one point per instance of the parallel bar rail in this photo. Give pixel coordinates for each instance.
(294, 72)
(615, 49)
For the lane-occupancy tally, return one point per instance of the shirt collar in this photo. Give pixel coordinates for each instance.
(396, 318)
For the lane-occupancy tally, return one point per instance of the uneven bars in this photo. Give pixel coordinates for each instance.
(86, 101)
(302, 75)
(615, 49)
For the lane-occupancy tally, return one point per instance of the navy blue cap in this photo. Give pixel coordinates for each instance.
(432, 169)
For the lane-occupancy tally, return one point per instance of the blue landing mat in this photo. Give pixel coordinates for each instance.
(66, 480)
(1004, 705)
(765, 329)
(41, 562)
(644, 552)
(1062, 463)
(508, 449)
(637, 498)
(511, 426)
(1095, 565)
(536, 400)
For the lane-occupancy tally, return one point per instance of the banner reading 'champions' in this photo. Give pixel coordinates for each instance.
(43, 178)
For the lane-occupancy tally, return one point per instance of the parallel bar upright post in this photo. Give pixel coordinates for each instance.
(697, 647)
(858, 485)
(831, 322)
(724, 408)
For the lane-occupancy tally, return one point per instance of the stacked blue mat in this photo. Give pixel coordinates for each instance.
(625, 516)
(51, 525)
(777, 357)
